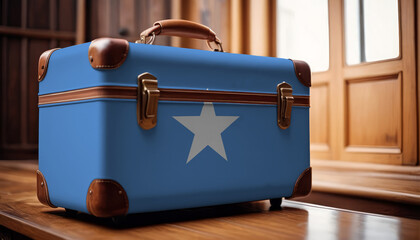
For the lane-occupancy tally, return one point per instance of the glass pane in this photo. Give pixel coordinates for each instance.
(371, 30)
(302, 32)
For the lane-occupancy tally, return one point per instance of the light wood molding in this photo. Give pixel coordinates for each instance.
(81, 22)
(319, 147)
(378, 181)
(418, 77)
(237, 22)
(192, 13)
(330, 79)
(372, 69)
(409, 91)
(259, 24)
(214, 14)
(253, 27)
(321, 77)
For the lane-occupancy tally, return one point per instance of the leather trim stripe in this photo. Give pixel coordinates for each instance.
(167, 94)
(225, 96)
(89, 93)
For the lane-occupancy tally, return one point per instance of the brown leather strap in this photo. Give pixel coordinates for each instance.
(181, 28)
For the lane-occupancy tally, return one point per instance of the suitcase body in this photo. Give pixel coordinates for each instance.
(112, 144)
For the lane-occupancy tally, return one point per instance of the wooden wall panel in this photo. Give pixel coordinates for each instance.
(38, 14)
(214, 14)
(12, 87)
(65, 43)
(35, 49)
(126, 19)
(319, 115)
(128, 16)
(374, 113)
(152, 11)
(65, 15)
(259, 27)
(14, 7)
(188, 10)
(2, 82)
(418, 76)
(28, 28)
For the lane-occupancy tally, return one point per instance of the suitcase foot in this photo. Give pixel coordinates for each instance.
(106, 198)
(276, 202)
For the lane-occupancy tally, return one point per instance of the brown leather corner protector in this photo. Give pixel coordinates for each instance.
(108, 53)
(303, 72)
(42, 189)
(303, 184)
(43, 63)
(106, 198)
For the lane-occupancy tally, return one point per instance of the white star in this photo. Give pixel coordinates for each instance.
(207, 129)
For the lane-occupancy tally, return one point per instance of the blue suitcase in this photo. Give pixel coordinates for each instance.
(133, 127)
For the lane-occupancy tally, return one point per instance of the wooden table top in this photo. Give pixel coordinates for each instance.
(20, 211)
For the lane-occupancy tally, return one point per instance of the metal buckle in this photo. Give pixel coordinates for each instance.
(143, 39)
(284, 104)
(147, 100)
(219, 46)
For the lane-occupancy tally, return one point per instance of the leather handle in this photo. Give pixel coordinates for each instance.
(180, 28)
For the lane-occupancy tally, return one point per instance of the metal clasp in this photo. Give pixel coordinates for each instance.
(284, 104)
(147, 100)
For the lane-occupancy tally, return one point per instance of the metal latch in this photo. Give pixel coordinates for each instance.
(147, 100)
(284, 104)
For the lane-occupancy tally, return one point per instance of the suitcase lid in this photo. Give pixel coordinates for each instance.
(178, 68)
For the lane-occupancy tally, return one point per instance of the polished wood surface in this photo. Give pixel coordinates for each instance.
(399, 184)
(20, 211)
(362, 204)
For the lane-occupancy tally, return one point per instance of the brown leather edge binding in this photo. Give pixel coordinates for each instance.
(108, 53)
(303, 185)
(42, 189)
(106, 198)
(303, 72)
(226, 96)
(167, 95)
(89, 93)
(43, 63)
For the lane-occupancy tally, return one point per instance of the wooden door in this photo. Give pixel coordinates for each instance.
(364, 110)
(367, 112)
